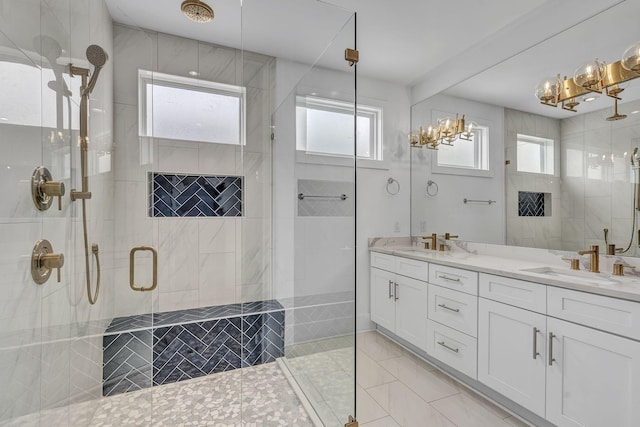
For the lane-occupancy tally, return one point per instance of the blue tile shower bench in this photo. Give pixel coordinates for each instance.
(153, 349)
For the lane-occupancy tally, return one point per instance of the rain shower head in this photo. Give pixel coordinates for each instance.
(197, 11)
(97, 56)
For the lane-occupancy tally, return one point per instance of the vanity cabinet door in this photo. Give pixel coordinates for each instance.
(594, 379)
(383, 307)
(411, 310)
(511, 353)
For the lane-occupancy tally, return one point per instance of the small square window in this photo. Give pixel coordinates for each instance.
(535, 154)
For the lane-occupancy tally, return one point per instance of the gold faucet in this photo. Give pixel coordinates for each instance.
(594, 266)
(434, 241)
(448, 236)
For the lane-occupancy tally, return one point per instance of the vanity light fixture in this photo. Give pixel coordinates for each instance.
(445, 132)
(592, 78)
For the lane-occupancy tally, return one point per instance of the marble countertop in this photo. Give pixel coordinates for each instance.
(624, 287)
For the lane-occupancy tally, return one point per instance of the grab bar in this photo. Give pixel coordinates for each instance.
(132, 268)
(479, 201)
(302, 196)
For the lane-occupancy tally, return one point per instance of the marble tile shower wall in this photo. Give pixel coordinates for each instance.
(597, 177)
(540, 231)
(202, 261)
(48, 356)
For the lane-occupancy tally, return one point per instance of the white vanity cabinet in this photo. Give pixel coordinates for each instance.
(593, 378)
(511, 353)
(571, 357)
(398, 302)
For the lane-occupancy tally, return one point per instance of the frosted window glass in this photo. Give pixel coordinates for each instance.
(188, 114)
(325, 126)
(471, 154)
(461, 154)
(329, 132)
(535, 155)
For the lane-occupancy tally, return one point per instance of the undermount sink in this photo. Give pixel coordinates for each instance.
(571, 276)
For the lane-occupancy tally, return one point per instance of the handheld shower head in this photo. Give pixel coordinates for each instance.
(97, 56)
(633, 156)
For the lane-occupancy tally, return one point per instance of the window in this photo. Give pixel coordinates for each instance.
(325, 127)
(534, 154)
(176, 107)
(463, 154)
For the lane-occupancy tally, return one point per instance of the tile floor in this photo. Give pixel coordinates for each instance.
(255, 396)
(396, 388)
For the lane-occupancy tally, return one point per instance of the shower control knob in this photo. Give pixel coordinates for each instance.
(54, 189)
(43, 260)
(44, 189)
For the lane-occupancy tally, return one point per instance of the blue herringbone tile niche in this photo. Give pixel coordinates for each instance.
(182, 195)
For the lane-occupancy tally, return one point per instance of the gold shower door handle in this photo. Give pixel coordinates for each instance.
(132, 268)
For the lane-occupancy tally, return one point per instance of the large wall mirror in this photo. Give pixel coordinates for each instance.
(536, 175)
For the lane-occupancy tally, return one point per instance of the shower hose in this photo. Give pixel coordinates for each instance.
(94, 249)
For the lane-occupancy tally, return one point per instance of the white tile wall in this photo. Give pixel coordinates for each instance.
(41, 323)
(203, 261)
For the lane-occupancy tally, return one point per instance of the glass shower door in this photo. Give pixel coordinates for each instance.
(307, 268)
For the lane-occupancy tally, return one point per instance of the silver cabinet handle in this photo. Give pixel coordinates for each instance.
(451, 279)
(395, 292)
(535, 342)
(390, 290)
(456, 310)
(455, 350)
(551, 337)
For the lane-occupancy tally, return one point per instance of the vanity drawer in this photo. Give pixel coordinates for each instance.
(454, 348)
(412, 268)
(608, 314)
(383, 261)
(454, 278)
(519, 293)
(453, 309)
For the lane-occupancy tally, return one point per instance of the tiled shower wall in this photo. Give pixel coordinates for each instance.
(202, 261)
(49, 354)
(538, 231)
(597, 178)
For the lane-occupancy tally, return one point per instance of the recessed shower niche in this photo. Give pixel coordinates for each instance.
(534, 203)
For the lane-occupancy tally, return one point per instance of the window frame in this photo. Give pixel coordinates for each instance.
(546, 145)
(375, 114)
(154, 78)
(482, 155)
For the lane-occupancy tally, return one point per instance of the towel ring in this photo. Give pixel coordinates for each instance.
(390, 181)
(429, 184)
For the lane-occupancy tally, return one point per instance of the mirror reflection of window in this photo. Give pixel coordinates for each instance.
(473, 154)
(535, 154)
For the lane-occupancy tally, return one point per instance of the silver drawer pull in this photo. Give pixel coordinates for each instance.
(390, 289)
(455, 350)
(451, 279)
(535, 343)
(457, 310)
(551, 359)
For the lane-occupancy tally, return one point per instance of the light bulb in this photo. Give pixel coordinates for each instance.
(547, 90)
(588, 75)
(631, 58)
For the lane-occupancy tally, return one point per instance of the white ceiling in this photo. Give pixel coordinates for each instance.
(428, 45)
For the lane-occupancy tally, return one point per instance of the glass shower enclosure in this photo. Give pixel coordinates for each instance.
(225, 234)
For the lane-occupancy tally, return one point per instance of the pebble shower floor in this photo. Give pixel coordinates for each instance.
(254, 396)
